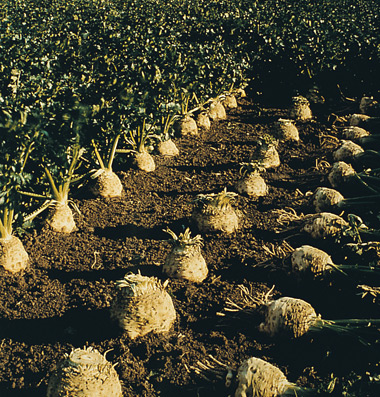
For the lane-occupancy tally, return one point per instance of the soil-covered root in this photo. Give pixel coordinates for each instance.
(216, 110)
(286, 130)
(358, 119)
(252, 185)
(323, 225)
(308, 259)
(326, 199)
(230, 102)
(61, 218)
(13, 256)
(186, 126)
(84, 373)
(369, 106)
(144, 161)
(214, 213)
(203, 121)
(288, 316)
(347, 151)
(300, 109)
(258, 378)
(167, 148)
(185, 260)
(340, 174)
(268, 156)
(142, 306)
(107, 185)
(354, 132)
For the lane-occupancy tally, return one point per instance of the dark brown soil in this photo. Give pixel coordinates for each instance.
(62, 300)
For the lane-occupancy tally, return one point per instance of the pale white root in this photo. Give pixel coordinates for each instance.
(258, 378)
(107, 185)
(186, 262)
(286, 130)
(217, 111)
(211, 219)
(323, 225)
(288, 316)
(253, 185)
(366, 104)
(340, 174)
(357, 119)
(168, 148)
(230, 102)
(142, 305)
(203, 121)
(84, 373)
(310, 259)
(144, 161)
(13, 256)
(269, 157)
(354, 132)
(300, 108)
(186, 126)
(326, 199)
(347, 151)
(61, 218)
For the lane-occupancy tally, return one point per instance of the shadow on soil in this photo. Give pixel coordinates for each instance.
(76, 326)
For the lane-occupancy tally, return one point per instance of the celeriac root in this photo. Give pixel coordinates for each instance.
(142, 305)
(186, 263)
(13, 256)
(167, 148)
(186, 126)
(61, 218)
(84, 373)
(107, 185)
(144, 161)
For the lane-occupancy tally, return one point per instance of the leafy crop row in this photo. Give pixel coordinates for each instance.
(83, 72)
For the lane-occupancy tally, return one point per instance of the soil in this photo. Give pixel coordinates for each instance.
(62, 300)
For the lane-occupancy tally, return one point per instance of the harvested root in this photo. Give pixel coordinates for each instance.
(289, 316)
(358, 119)
(294, 317)
(214, 213)
(258, 378)
(185, 260)
(347, 151)
(326, 199)
(318, 226)
(61, 218)
(286, 130)
(300, 108)
(308, 259)
(167, 148)
(353, 133)
(107, 184)
(13, 256)
(142, 305)
(368, 105)
(340, 174)
(85, 373)
(323, 225)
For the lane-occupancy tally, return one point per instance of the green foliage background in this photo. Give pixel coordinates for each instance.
(93, 69)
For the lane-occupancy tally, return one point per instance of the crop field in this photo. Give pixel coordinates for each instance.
(189, 198)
